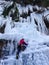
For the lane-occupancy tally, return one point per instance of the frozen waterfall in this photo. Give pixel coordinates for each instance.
(34, 31)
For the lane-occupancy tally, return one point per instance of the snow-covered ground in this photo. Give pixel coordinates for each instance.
(37, 52)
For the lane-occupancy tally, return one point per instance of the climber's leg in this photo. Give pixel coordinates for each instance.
(18, 51)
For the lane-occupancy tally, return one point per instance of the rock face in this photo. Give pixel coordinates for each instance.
(7, 47)
(26, 2)
(44, 3)
(2, 28)
(3, 43)
(46, 21)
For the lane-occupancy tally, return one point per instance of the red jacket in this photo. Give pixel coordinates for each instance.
(22, 42)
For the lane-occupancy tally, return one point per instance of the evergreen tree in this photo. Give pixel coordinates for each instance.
(12, 11)
(15, 15)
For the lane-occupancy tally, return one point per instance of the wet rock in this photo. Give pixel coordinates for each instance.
(36, 22)
(47, 8)
(40, 11)
(5, 57)
(46, 21)
(24, 15)
(32, 56)
(47, 44)
(26, 2)
(44, 44)
(34, 9)
(3, 43)
(2, 28)
(37, 2)
(5, 47)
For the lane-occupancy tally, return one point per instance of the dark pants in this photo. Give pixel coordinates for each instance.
(19, 49)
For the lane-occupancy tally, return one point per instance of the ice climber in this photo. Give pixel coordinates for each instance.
(21, 46)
